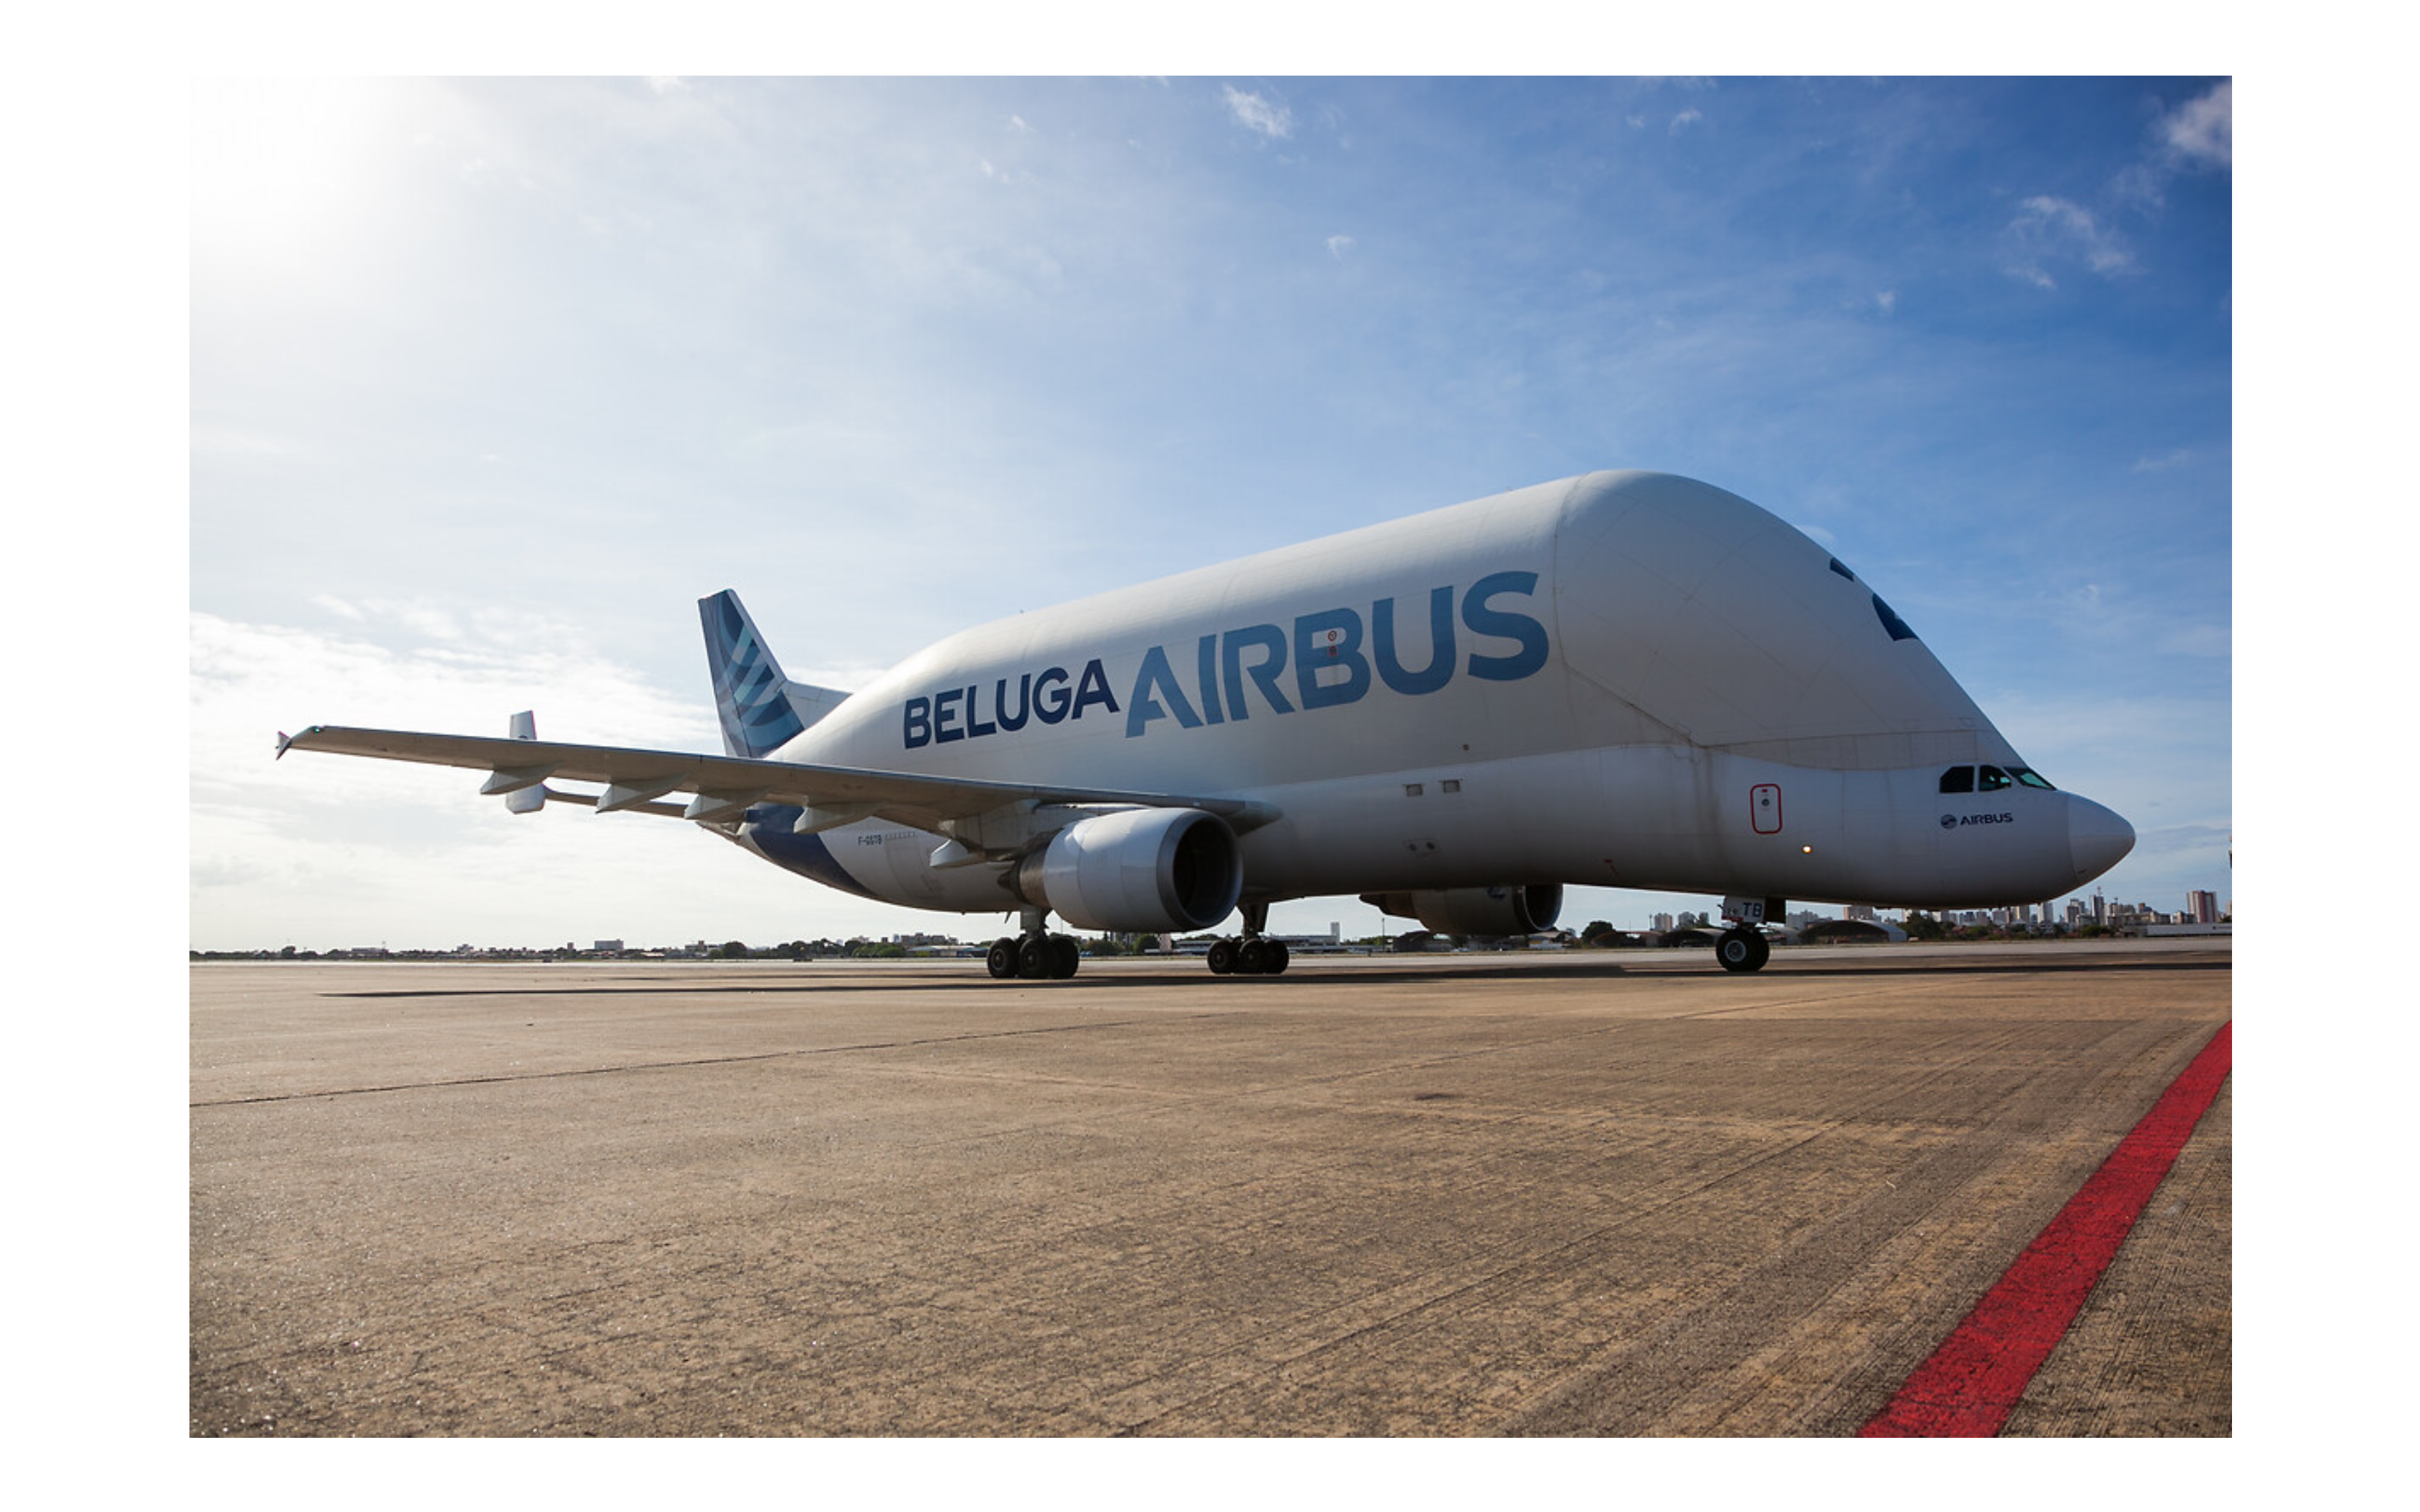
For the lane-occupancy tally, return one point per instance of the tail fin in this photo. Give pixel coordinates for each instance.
(760, 707)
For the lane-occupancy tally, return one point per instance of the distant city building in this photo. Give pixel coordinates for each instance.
(1859, 911)
(2202, 907)
(607, 945)
(1662, 923)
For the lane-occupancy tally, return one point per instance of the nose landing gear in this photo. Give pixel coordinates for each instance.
(1743, 947)
(1742, 950)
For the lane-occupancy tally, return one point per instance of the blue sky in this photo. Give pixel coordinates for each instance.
(491, 380)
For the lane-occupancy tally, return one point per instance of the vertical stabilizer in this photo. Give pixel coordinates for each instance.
(759, 706)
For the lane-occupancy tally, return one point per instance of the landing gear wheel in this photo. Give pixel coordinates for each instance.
(1222, 957)
(1000, 960)
(1253, 959)
(1741, 950)
(1033, 958)
(1064, 956)
(1279, 956)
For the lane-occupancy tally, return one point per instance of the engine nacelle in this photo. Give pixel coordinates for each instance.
(1142, 871)
(1483, 911)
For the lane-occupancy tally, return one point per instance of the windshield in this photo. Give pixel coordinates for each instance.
(1993, 779)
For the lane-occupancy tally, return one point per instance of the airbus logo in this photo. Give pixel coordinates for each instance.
(1336, 655)
(1950, 820)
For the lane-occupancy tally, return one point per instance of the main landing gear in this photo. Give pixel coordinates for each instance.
(1035, 958)
(1255, 954)
(1036, 955)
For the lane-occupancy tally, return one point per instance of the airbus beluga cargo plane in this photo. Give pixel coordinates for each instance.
(1625, 680)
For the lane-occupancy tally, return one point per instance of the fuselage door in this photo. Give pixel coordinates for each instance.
(1764, 807)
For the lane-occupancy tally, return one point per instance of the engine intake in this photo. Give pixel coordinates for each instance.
(1139, 870)
(1484, 911)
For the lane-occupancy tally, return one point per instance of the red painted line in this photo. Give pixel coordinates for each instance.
(1973, 1381)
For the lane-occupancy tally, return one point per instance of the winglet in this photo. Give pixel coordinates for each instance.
(521, 796)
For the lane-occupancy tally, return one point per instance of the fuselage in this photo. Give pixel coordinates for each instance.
(1627, 679)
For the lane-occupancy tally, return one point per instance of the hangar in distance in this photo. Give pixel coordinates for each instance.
(1625, 679)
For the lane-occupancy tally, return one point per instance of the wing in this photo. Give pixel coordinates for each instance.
(724, 786)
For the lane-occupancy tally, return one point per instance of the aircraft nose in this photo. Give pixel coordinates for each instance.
(2097, 839)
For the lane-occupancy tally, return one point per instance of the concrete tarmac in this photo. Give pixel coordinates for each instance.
(1585, 1193)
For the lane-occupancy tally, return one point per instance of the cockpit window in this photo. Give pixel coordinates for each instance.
(1843, 571)
(1991, 779)
(1896, 627)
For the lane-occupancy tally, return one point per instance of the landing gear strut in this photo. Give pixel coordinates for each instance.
(1256, 954)
(1034, 956)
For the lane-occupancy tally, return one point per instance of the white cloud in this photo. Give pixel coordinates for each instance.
(2055, 228)
(2162, 464)
(2198, 135)
(1687, 118)
(1337, 245)
(1259, 115)
(2201, 133)
(1887, 300)
(420, 619)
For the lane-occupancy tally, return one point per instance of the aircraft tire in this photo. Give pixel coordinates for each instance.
(1033, 958)
(1000, 960)
(1279, 957)
(1064, 956)
(1741, 950)
(1253, 959)
(1222, 957)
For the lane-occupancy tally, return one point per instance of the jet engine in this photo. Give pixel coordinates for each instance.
(1481, 911)
(1145, 870)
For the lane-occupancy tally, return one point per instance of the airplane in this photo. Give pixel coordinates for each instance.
(1625, 679)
